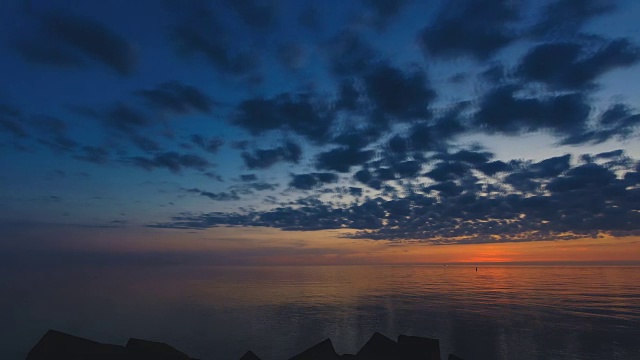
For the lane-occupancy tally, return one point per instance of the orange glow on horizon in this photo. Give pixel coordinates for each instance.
(267, 246)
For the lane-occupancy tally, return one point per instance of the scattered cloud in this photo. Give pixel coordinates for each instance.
(567, 17)
(221, 196)
(10, 119)
(259, 14)
(265, 158)
(372, 135)
(572, 65)
(300, 114)
(312, 180)
(210, 145)
(66, 40)
(198, 31)
(503, 110)
(170, 160)
(178, 98)
(475, 28)
(573, 200)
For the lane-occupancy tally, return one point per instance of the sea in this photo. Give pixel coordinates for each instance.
(209, 312)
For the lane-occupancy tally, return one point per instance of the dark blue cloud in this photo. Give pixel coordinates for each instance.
(572, 65)
(177, 97)
(384, 11)
(210, 145)
(342, 159)
(221, 196)
(60, 143)
(494, 167)
(144, 143)
(475, 28)
(312, 180)
(447, 189)
(10, 121)
(45, 53)
(93, 154)
(619, 121)
(468, 156)
(265, 158)
(170, 160)
(260, 14)
(445, 171)
(567, 17)
(300, 114)
(198, 31)
(397, 94)
(502, 110)
(292, 55)
(66, 40)
(125, 118)
(350, 54)
(581, 177)
(530, 176)
(409, 168)
(248, 177)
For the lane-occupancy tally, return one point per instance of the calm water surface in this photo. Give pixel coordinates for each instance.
(218, 313)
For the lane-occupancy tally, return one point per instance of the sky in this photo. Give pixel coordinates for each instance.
(320, 132)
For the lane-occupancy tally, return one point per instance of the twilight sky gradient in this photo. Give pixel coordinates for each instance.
(313, 132)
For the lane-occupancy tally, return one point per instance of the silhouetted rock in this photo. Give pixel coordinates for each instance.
(56, 345)
(152, 350)
(379, 347)
(321, 351)
(249, 355)
(418, 348)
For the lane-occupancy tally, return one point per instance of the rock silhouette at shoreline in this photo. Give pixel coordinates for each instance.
(56, 345)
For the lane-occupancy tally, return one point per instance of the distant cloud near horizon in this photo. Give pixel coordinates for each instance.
(548, 200)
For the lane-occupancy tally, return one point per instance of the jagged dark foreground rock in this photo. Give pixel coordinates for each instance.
(56, 345)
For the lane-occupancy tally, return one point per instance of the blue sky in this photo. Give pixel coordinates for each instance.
(441, 122)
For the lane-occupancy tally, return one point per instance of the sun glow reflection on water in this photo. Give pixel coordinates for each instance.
(498, 312)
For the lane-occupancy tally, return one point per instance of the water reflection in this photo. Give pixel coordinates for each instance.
(215, 313)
